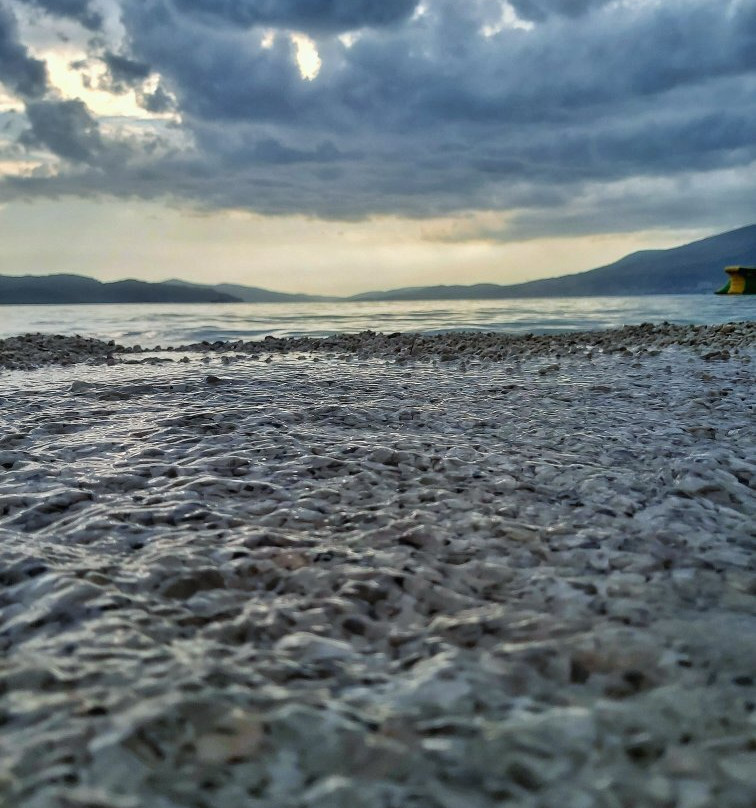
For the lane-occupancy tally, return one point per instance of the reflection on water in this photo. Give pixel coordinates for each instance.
(150, 324)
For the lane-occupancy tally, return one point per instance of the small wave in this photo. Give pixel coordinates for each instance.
(175, 324)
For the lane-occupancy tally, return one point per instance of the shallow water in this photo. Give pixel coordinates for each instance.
(150, 324)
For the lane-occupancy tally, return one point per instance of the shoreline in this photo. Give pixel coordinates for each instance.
(29, 351)
(313, 573)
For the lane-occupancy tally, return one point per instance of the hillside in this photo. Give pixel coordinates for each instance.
(254, 294)
(77, 289)
(692, 268)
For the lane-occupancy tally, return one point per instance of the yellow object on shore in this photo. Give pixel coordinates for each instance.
(742, 281)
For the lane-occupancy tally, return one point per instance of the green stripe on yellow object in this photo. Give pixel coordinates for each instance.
(742, 281)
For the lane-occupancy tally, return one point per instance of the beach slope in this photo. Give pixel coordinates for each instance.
(380, 570)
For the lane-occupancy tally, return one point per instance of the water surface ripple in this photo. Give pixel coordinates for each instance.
(172, 324)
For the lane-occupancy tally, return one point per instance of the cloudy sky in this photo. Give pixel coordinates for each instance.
(346, 145)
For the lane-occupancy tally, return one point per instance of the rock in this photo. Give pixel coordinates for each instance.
(308, 647)
(340, 792)
(236, 737)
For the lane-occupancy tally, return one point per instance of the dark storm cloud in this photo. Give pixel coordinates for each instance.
(422, 114)
(302, 15)
(442, 72)
(19, 71)
(66, 128)
(80, 10)
(636, 209)
(123, 74)
(539, 10)
(125, 71)
(272, 152)
(218, 73)
(158, 101)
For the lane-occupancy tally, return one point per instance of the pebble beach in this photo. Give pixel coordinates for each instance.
(380, 571)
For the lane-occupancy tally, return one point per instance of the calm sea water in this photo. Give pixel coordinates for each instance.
(153, 324)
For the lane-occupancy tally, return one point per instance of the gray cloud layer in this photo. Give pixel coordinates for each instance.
(19, 71)
(80, 10)
(422, 114)
(302, 15)
(65, 128)
(539, 10)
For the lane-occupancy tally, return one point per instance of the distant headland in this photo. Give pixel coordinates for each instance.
(78, 289)
(694, 268)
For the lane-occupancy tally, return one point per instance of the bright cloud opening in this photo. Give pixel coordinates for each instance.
(308, 59)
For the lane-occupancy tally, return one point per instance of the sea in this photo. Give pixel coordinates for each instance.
(152, 324)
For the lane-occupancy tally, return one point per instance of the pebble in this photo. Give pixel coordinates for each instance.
(712, 342)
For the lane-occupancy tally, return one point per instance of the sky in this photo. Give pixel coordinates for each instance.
(339, 146)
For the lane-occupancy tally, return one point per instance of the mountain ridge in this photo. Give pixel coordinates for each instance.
(68, 288)
(692, 268)
(256, 294)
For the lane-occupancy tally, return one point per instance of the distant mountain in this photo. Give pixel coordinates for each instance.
(693, 268)
(65, 289)
(254, 294)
